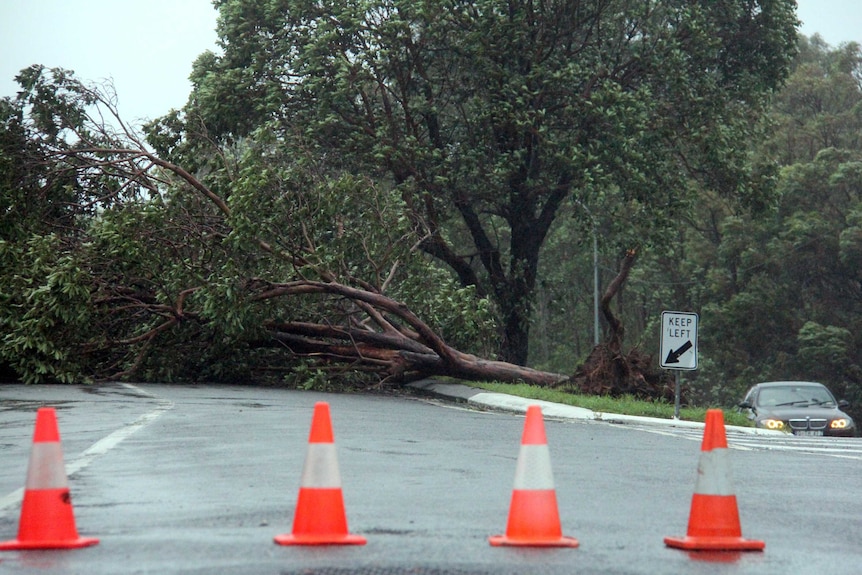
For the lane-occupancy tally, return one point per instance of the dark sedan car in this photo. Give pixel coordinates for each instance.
(799, 407)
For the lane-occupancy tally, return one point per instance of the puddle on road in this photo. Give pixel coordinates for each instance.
(31, 405)
(109, 391)
(387, 531)
(382, 570)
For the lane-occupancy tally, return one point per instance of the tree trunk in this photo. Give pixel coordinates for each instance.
(616, 329)
(403, 347)
(609, 371)
(514, 347)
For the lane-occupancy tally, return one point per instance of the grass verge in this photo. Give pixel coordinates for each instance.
(626, 405)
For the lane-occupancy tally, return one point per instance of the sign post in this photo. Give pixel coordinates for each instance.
(678, 346)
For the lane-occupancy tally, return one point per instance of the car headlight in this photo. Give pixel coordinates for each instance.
(773, 424)
(840, 423)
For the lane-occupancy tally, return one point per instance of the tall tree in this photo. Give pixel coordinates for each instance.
(821, 106)
(488, 116)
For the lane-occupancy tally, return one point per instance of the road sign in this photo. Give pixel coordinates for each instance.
(678, 340)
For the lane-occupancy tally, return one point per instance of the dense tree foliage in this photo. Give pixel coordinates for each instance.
(43, 296)
(145, 271)
(778, 288)
(490, 117)
(789, 291)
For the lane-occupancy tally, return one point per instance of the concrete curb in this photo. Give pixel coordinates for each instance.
(482, 399)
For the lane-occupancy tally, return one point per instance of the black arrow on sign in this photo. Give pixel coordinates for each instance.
(673, 356)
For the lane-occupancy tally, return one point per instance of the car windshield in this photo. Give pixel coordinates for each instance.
(799, 395)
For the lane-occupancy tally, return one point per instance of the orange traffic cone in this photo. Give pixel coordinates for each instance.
(320, 518)
(713, 524)
(534, 518)
(47, 520)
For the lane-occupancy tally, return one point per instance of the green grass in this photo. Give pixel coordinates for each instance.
(626, 405)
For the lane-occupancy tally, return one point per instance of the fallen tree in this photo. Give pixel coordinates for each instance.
(253, 267)
(174, 272)
(403, 348)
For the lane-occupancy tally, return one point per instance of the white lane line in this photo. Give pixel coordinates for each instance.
(830, 451)
(102, 446)
(831, 447)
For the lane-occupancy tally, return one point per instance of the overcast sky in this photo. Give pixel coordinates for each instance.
(146, 47)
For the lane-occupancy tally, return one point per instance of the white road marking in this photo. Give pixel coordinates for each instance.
(843, 448)
(102, 446)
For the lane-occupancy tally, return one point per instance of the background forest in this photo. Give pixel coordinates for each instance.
(777, 288)
(359, 197)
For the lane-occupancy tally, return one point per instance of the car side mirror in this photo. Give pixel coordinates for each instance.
(843, 403)
(745, 405)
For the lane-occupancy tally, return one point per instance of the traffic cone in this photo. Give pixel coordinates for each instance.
(320, 518)
(713, 524)
(47, 520)
(534, 518)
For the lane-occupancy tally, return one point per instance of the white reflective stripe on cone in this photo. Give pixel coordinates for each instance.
(713, 473)
(321, 466)
(46, 469)
(534, 468)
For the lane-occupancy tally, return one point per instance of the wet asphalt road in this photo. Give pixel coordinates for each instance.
(198, 479)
